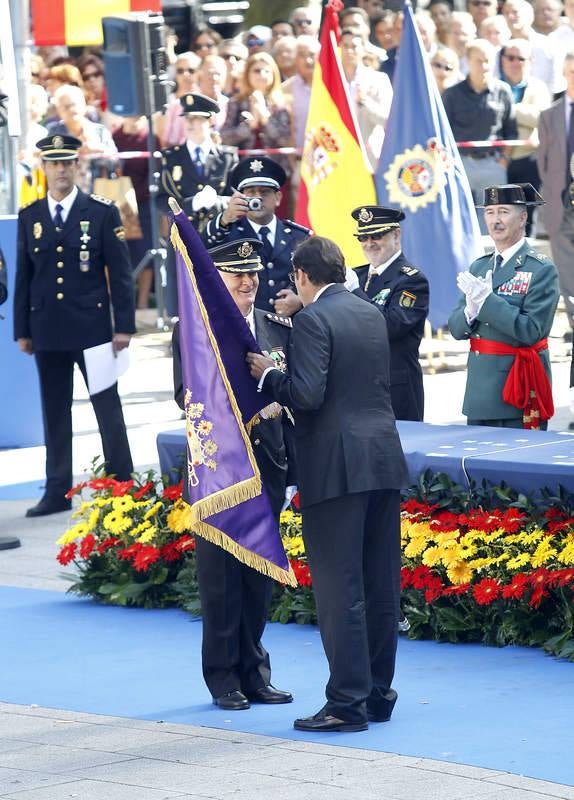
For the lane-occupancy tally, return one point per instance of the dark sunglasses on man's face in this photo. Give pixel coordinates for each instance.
(440, 65)
(514, 58)
(302, 22)
(363, 237)
(185, 70)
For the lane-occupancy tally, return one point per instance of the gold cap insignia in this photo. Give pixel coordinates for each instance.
(493, 195)
(244, 250)
(256, 165)
(365, 216)
(57, 142)
(37, 230)
(189, 99)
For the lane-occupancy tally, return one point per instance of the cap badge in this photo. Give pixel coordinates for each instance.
(365, 215)
(256, 165)
(57, 142)
(493, 195)
(189, 100)
(244, 250)
(37, 230)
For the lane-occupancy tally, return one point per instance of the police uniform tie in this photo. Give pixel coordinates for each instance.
(497, 263)
(267, 249)
(58, 219)
(371, 275)
(198, 161)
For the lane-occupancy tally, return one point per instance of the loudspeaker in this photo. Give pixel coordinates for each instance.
(136, 64)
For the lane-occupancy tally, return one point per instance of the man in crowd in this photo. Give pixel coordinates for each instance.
(251, 213)
(73, 265)
(555, 151)
(350, 469)
(235, 598)
(461, 32)
(401, 292)
(196, 174)
(480, 108)
(510, 297)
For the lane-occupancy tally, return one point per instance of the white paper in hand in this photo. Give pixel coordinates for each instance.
(103, 367)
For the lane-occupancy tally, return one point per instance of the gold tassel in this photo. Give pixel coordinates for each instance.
(225, 499)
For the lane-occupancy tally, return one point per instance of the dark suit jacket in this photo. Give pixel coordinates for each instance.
(401, 293)
(338, 387)
(3, 280)
(552, 163)
(272, 439)
(276, 272)
(61, 297)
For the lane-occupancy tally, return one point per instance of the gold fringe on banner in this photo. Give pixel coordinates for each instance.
(263, 565)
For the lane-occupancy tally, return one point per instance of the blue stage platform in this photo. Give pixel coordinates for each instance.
(526, 460)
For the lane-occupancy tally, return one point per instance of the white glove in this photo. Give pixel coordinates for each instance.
(351, 279)
(476, 290)
(207, 198)
(290, 493)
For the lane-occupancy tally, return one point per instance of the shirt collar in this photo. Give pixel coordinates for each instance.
(510, 251)
(250, 320)
(382, 267)
(321, 290)
(205, 148)
(271, 225)
(66, 203)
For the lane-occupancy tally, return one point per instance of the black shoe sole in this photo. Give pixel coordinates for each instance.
(347, 727)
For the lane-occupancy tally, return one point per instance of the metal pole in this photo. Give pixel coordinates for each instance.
(20, 18)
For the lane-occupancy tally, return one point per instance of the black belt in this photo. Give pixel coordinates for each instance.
(478, 155)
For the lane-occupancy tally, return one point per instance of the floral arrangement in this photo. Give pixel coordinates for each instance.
(485, 565)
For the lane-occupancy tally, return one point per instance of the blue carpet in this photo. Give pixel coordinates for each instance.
(507, 709)
(23, 491)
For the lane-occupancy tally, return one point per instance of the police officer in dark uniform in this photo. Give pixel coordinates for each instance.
(196, 174)
(235, 598)
(401, 292)
(73, 266)
(251, 213)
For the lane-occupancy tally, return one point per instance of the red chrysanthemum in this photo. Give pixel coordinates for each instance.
(537, 596)
(486, 591)
(421, 574)
(415, 508)
(185, 542)
(301, 571)
(170, 552)
(434, 588)
(539, 577)
(128, 553)
(564, 576)
(144, 490)
(147, 556)
(461, 589)
(87, 545)
(406, 577)
(75, 489)
(173, 492)
(102, 483)
(111, 541)
(121, 488)
(516, 588)
(67, 553)
(444, 521)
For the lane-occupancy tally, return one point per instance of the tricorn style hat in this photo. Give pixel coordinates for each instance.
(512, 194)
(238, 256)
(59, 147)
(258, 171)
(197, 105)
(376, 219)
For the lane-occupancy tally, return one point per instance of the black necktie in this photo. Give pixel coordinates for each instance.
(267, 249)
(58, 219)
(497, 263)
(570, 145)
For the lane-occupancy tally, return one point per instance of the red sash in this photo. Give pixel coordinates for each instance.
(527, 385)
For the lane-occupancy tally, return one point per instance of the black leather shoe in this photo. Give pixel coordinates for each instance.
(49, 505)
(381, 708)
(232, 701)
(322, 722)
(269, 694)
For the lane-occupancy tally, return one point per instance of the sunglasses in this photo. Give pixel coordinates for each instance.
(230, 57)
(185, 70)
(89, 75)
(514, 58)
(440, 65)
(302, 21)
(205, 46)
(363, 237)
(255, 43)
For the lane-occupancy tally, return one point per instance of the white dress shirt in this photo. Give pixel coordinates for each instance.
(66, 204)
(272, 225)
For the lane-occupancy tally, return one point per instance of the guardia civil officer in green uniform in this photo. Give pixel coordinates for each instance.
(508, 305)
(73, 268)
(401, 292)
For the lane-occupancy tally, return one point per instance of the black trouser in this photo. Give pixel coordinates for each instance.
(235, 603)
(354, 548)
(525, 170)
(56, 372)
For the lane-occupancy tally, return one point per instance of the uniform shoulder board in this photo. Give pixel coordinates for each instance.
(296, 227)
(29, 205)
(410, 271)
(104, 200)
(544, 259)
(280, 320)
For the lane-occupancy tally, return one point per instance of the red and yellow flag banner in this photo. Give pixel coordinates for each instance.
(335, 173)
(76, 23)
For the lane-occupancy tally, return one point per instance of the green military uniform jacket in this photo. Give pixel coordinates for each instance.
(519, 312)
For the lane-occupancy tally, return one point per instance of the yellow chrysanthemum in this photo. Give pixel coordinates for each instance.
(147, 535)
(459, 573)
(81, 510)
(295, 546)
(451, 556)
(543, 554)
(467, 549)
(101, 502)
(286, 517)
(153, 510)
(566, 555)
(446, 537)
(415, 547)
(75, 532)
(116, 523)
(480, 563)
(123, 504)
(93, 517)
(518, 561)
(432, 556)
(530, 538)
(179, 518)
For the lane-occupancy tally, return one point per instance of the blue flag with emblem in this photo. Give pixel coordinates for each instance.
(420, 170)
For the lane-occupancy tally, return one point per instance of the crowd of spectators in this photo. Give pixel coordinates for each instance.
(497, 65)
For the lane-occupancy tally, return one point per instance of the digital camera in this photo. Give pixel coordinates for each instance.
(254, 203)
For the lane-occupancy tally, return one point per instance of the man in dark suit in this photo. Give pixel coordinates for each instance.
(235, 598)
(73, 266)
(251, 213)
(350, 468)
(196, 174)
(401, 292)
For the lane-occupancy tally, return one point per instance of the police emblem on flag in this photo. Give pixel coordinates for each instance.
(416, 176)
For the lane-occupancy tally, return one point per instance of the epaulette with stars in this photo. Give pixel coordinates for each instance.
(287, 321)
(104, 200)
(410, 271)
(544, 259)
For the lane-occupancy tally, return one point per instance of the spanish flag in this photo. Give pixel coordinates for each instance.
(335, 173)
(77, 23)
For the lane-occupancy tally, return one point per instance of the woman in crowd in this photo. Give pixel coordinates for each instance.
(258, 116)
(445, 67)
(92, 70)
(205, 41)
(169, 127)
